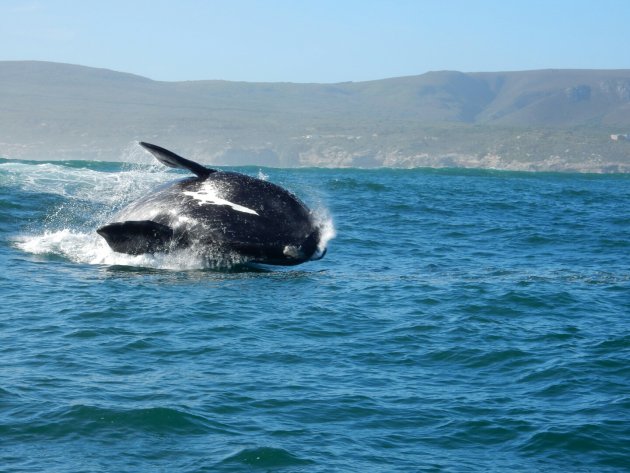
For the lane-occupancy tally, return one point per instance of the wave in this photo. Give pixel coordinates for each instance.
(263, 457)
(588, 444)
(84, 420)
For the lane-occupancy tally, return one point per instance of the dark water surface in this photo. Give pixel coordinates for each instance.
(467, 321)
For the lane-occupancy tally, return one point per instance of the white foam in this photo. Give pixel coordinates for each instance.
(89, 248)
(76, 246)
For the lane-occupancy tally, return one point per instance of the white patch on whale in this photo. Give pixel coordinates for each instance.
(208, 195)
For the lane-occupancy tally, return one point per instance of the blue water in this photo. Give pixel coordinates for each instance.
(462, 321)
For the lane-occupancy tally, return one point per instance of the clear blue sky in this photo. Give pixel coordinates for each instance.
(316, 41)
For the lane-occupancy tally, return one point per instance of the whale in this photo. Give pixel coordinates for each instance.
(217, 212)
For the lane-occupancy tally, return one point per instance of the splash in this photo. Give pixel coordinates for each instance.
(87, 195)
(326, 225)
(92, 196)
(262, 176)
(89, 248)
(83, 183)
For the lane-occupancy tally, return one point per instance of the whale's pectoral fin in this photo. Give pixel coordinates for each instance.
(170, 159)
(137, 237)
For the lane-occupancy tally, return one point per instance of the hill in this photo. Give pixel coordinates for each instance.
(549, 120)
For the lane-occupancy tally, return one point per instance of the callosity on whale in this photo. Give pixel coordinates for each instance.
(218, 211)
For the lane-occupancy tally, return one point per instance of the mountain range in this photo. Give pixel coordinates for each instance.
(530, 120)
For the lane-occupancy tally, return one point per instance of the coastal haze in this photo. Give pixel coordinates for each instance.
(548, 120)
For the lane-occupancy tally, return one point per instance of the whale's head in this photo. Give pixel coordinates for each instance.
(310, 250)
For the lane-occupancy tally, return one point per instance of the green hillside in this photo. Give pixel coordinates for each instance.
(548, 120)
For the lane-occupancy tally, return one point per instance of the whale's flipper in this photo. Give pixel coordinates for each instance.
(137, 237)
(168, 158)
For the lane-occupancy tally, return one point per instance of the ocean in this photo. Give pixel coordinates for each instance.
(462, 321)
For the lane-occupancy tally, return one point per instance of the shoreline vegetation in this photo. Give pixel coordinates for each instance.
(551, 120)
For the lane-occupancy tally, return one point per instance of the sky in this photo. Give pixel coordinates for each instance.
(325, 41)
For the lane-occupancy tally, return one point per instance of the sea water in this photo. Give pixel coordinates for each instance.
(462, 321)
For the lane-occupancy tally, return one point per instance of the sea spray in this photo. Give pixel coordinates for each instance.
(326, 227)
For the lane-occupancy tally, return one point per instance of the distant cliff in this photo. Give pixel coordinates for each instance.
(531, 120)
